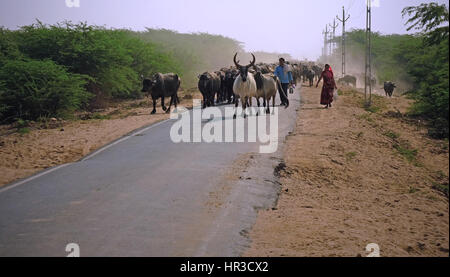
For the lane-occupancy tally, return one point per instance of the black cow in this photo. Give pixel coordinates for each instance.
(317, 71)
(209, 86)
(230, 76)
(162, 86)
(389, 88)
(221, 96)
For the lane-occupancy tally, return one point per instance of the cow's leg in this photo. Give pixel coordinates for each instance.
(172, 99)
(204, 101)
(236, 105)
(154, 105)
(273, 105)
(162, 104)
(244, 101)
(215, 99)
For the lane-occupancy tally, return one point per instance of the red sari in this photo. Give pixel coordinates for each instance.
(326, 98)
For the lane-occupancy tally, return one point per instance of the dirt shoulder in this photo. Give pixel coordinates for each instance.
(355, 177)
(49, 144)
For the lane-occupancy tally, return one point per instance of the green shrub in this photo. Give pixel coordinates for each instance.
(391, 134)
(23, 131)
(443, 188)
(32, 89)
(114, 59)
(8, 46)
(406, 152)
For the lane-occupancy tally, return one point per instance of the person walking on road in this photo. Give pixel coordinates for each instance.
(329, 85)
(284, 74)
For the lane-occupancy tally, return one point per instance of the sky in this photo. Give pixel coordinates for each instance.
(283, 26)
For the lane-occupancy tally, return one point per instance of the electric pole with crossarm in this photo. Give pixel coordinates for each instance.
(368, 73)
(343, 20)
(333, 35)
(325, 43)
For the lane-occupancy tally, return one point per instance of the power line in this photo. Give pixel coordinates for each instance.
(333, 36)
(325, 43)
(343, 20)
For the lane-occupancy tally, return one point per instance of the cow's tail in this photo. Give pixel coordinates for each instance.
(282, 92)
(178, 87)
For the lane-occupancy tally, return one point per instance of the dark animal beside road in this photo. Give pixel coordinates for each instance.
(317, 71)
(348, 80)
(389, 88)
(209, 85)
(162, 86)
(310, 74)
(230, 76)
(221, 95)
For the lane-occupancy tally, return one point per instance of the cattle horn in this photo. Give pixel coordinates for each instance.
(252, 63)
(236, 63)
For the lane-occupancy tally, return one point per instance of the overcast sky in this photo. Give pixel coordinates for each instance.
(287, 26)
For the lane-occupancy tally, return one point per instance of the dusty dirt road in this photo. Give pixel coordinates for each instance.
(354, 177)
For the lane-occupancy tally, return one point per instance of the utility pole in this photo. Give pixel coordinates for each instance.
(368, 74)
(343, 20)
(330, 44)
(325, 43)
(333, 35)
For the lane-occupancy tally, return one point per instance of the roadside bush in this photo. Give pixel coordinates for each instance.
(8, 46)
(30, 89)
(114, 59)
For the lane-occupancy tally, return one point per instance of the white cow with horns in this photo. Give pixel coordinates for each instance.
(245, 85)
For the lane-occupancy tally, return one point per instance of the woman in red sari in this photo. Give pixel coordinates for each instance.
(326, 98)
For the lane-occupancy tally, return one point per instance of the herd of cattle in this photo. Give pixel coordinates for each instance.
(228, 85)
(388, 86)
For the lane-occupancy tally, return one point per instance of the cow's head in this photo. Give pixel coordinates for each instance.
(243, 70)
(204, 77)
(147, 85)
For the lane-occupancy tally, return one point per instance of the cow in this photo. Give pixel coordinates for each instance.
(221, 94)
(230, 76)
(296, 73)
(245, 85)
(303, 72)
(389, 88)
(209, 85)
(309, 74)
(267, 86)
(347, 80)
(317, 71)
(162, 86)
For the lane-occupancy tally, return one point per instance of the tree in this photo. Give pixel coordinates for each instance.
(431, 19)
(429, 66)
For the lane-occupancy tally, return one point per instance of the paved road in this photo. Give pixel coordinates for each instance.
(145, 196)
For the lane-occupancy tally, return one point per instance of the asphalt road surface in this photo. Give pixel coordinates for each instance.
(144, 195)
